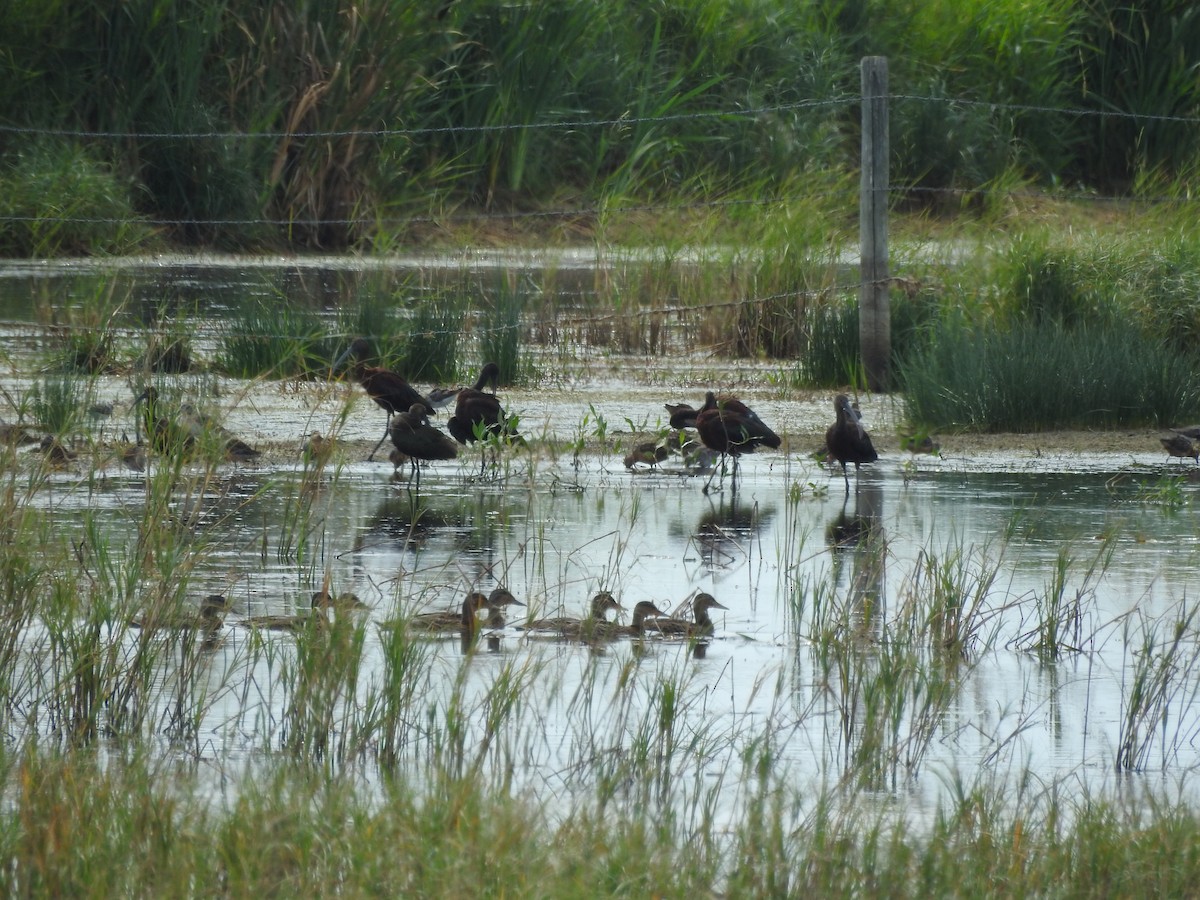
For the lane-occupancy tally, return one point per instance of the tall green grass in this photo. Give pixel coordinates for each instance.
(495, 111)
(1033, 378)
(274, 339)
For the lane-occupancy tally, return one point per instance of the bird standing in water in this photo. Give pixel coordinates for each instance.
(1181, 445)
(731, 428)
(846, 439)
(390, 390)
(478, 413)
(702, 626)
(414, 436)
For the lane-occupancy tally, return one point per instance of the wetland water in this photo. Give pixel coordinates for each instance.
(825, 590)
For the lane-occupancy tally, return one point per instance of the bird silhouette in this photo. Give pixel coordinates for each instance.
(414, 436)
(846, 439)
(390, 390)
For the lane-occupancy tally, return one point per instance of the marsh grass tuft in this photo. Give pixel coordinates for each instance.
(500, 331)
(1027, 378)
(274, 339)
(1160, 687)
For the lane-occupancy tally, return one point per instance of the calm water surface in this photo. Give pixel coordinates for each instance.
(791, 555)
(769, 553)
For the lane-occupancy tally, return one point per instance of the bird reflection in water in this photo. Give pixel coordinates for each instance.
(407, 521)
(725, 534)
(860, 536)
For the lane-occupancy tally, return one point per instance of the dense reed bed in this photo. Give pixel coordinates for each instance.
(334, 126)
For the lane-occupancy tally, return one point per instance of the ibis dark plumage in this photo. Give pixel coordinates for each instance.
(414, 436)
(846, 439)
(390, 390)
(477, 411)
(731, 428)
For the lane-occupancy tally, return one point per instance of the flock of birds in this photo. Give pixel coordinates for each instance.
(725, 427)
(480, 614)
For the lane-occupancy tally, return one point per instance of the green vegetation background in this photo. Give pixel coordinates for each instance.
(336, 125)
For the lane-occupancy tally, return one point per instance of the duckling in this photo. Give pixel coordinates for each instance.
(467, 620)
(208, 619)
(1179, 444)
(568, 627)
(701, 627)
(642, 611)
(447, 620)
(317, 450)
(346, 602)
(497, 600)
(284, 622)
(56, 453)
(647, 454)
(133, 456)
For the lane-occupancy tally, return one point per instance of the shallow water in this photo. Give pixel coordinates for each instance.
(555, 534)
(798, 560)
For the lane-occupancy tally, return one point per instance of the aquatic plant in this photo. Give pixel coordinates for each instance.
(267, 338)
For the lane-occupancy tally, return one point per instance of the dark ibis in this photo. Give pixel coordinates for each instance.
(390, 390)
(731, 428)
(477, 411)
(413, 435)
(1181, 445)
(846, 439)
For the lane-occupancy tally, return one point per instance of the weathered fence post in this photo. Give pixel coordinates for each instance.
(874, 314)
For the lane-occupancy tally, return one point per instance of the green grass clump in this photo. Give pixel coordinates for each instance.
(431, 349)
(273, 339)
(1037, 377)
(60, 199)
(500, 331)
(76, 826)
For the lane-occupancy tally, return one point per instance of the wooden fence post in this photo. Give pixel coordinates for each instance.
(874, 313)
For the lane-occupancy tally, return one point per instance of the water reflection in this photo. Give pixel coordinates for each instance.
(725, 532)
(407, 522)
(860, 536)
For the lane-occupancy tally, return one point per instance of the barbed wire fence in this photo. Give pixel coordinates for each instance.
(581, 309)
